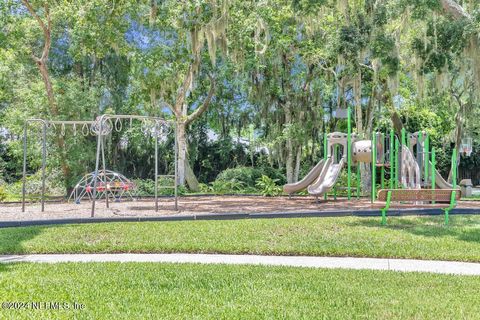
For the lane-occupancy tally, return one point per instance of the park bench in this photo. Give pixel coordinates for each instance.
(450, 196)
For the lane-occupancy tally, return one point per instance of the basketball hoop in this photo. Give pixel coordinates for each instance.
(466, 147)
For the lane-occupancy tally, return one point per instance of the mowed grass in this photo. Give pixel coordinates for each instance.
(407, 237)
(190, 291)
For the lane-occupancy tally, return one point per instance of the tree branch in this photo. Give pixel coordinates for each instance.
(454, 9)
(186, 83)
(169, 106)
(197, 113)
(45, 28)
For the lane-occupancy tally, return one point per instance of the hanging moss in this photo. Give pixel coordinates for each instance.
(261, 37)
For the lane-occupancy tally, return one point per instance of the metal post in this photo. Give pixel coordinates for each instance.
(397, 155)
(426, 157)
(454, 185)
(156, 168)
(433, 171)
(176, 166)
(359, 178)
(105, 173)
(392, 153)
(44, 156)
(97, 160)
(374, 163)
(349, 153)
(24, 176)
(382, 170)
(387, 206)
(454, 168)
(325, 154)
(335, 157)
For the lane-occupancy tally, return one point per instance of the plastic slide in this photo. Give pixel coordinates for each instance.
(306, 181)
(439, 181)
(327, 178)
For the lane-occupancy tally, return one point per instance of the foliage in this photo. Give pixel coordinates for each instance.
(3, 193)
(268, 187)
(53, 185)
(230, 186)
(249, 176)
(286, 67)
(146, 187)
(246, 175)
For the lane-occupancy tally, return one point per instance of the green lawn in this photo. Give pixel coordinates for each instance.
(408, 237)
(189, 291)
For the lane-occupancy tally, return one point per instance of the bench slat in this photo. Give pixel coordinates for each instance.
(438, 195)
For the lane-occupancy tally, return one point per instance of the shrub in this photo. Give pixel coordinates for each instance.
(3, 193)
(249, 176)
(146, 187)
(268, 186)
(226, 187)
(244, 175)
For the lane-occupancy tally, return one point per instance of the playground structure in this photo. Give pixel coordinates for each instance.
(102, 183)
(109, 185)
(409, 159)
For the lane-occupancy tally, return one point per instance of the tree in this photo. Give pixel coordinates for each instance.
(41, 63)
(198, 26)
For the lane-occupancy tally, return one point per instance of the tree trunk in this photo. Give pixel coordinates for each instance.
(42, 67)
(357, 89)
(454, 9)
(185, 172)
(297, 163)
(289, 163)
(182, 151)
(190, 177)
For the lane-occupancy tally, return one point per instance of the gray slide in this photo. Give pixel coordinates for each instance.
(439, 181)
(306, 181)
(327, 178)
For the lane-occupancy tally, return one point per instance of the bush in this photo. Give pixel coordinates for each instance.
(53, 185)
(146, 187)
(268, 186)
(3, 193)
(227, 187)
(248, 176)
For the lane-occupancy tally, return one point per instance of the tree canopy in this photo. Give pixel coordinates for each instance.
(247, 82)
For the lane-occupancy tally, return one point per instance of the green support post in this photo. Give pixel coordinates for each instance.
(454, 185)
(454, 168)
(374, 165)
(349, 153)
(392, 152)
(335, 155)
(433, 171)
(426, 148)
(397, 153)
(382, 181)
(404, 139)
(387, 206)
(325, 154)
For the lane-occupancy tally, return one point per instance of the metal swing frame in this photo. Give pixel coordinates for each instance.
(101, 129)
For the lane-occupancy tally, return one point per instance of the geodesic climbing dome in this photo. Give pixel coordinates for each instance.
(109, 184)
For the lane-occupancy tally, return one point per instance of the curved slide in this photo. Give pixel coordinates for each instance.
(306, 181)
(439, 181)
(328, 177)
